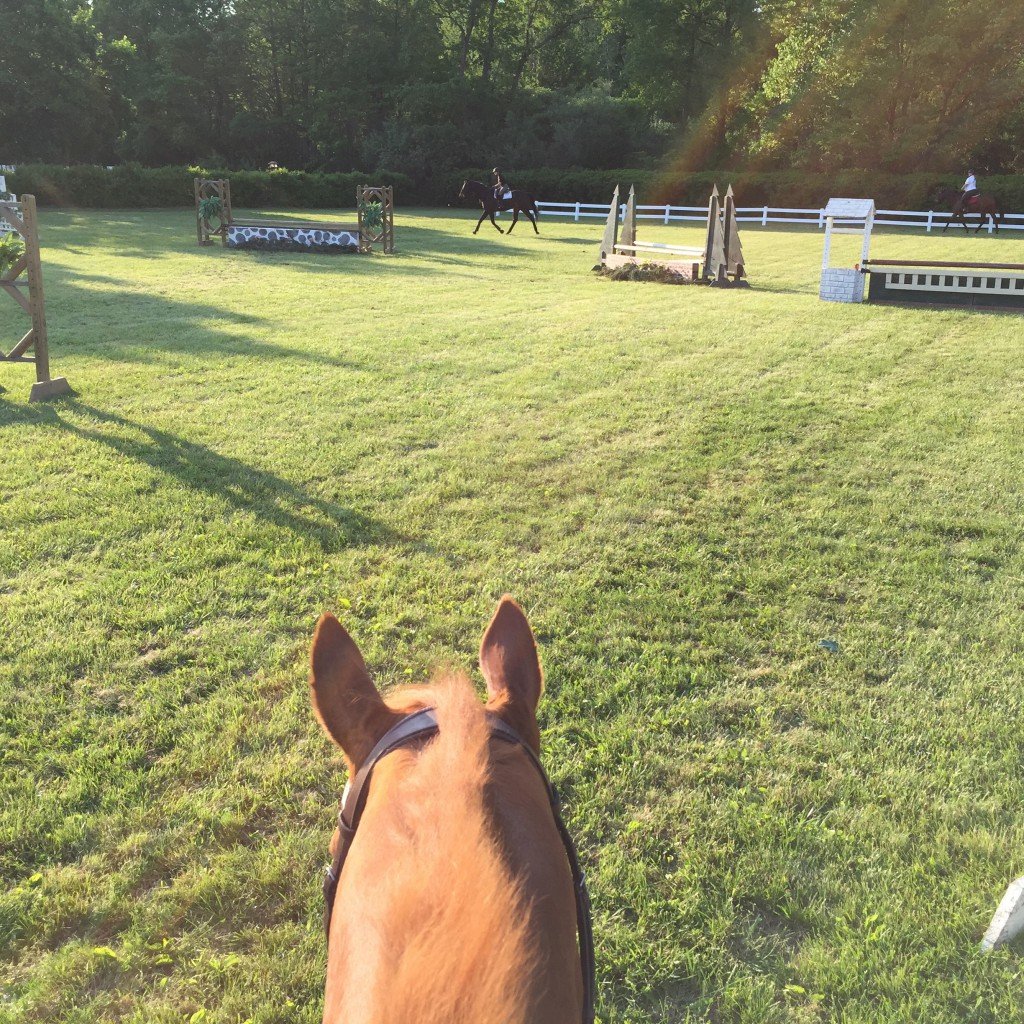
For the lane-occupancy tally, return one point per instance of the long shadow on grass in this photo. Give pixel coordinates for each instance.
(160, 326)
(196, 466)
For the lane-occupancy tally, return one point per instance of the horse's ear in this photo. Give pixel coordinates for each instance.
(511, 667)
(345, 701)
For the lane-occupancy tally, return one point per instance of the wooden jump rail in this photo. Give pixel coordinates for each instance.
(674, 250)
(720, 259)
(215, 218)
(945, 282)
(279, 223)
(941, 264)
(28, 293)
(928, 282)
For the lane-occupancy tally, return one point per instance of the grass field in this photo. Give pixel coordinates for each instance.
(689, 490)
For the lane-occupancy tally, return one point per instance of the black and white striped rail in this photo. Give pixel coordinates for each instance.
(954, 284)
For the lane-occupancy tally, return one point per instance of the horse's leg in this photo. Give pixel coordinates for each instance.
(533, 221)
(515, 219)
(495, 223)
(480, 221)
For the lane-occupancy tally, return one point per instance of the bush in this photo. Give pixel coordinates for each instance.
(131, 185)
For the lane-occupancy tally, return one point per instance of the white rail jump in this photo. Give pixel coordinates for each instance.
(718, 261)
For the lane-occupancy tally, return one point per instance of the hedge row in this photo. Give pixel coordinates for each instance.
(130, 185)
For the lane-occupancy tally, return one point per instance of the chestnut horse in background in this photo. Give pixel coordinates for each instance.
(454, 903)
(983, 205)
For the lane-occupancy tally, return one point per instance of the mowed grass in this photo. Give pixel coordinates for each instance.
(689, 489)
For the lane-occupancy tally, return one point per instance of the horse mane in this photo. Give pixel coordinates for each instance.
(456, 922)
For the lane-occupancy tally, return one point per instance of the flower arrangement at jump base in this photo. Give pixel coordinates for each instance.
(656, 272)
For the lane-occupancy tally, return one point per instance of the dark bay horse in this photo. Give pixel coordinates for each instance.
(521, 202)
(983, 205)
(457, 898)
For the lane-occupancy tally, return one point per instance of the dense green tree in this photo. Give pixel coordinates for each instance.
(899, 84)
(56, 81)
(426, 86)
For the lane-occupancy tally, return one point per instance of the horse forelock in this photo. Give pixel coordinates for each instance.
(453, 921)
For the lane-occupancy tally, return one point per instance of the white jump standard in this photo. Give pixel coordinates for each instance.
(845, 284)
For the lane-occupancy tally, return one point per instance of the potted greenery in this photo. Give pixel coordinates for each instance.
(12, 248)
(372, 215)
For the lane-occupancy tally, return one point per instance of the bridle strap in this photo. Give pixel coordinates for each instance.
(421, 725)
(584, 919)
(418, 725)
(415, 726)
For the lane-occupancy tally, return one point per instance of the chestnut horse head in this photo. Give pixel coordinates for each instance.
(455, 901)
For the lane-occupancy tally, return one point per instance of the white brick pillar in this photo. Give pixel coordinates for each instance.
(842, 284)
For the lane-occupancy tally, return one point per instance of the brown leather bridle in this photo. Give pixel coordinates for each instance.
(422, 725)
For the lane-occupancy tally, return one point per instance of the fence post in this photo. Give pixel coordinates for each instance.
(764, 217)
(577, 213)
(929, 227)
(821, 218)
(991, 222)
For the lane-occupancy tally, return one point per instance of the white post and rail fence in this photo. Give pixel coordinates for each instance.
(765, 215)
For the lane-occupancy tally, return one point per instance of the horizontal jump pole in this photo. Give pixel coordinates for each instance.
(938, 264)
(675, 250)
(304, 224)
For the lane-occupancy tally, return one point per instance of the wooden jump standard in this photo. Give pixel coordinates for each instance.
(720, 259)
(375, 207)
(28, 293)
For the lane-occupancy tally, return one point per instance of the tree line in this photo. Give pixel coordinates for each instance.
(425, 86)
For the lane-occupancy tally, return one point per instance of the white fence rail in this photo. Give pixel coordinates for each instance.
(765, 215)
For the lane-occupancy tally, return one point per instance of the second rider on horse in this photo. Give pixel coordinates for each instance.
(970, 189)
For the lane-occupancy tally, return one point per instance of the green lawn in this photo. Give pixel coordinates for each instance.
(689, 489)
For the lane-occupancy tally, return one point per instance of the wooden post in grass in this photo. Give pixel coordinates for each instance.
(714, 244)
(611, 227)
(629, 221)
(212, 188)
(1008, 921)
(731, 233)
(28, 293)
(384, 233)
(710, 234)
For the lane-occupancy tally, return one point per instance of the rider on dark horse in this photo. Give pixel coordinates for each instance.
(500, 185)
(970, 190)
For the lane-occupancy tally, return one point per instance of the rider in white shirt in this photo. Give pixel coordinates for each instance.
(970, 187)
